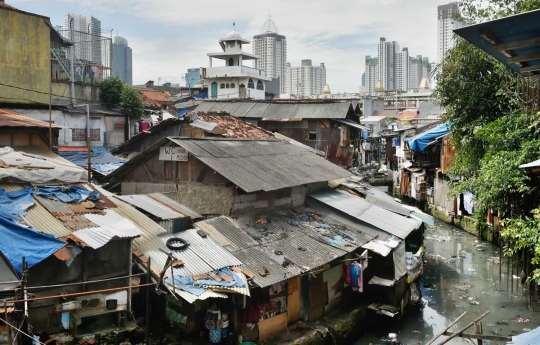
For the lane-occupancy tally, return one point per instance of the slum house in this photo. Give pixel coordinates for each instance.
(18, 131)
(157, 107)
(193, 125)
(82, 238)
(395, 252)
(318, 124)
(221, 176)
(297, 260)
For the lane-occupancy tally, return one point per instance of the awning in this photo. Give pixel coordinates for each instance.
(512, 40)
(419, 142)
(351, 123)
(534, 164)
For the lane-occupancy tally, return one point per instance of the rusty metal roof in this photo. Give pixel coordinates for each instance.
(9, 118)
(154, 98)
(231, 127)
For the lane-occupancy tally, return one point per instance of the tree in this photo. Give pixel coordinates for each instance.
(131, 103)
(111, 91)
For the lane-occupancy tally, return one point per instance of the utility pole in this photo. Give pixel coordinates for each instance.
(87, 139)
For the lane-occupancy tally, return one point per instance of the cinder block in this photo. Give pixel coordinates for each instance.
(297, 189)
(248, 197)
(260, 204)
(297, 196)
(237, 198)
(242, 205)
(283, 201)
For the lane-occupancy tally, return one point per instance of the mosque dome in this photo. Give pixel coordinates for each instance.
(234, 35)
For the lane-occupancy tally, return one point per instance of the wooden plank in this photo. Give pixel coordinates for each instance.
(516, 45)
(294, 304)
(200, 277)
(227, 277)
(236, 269)
(446, 328)
(481, 336)
(530, 69)
(478, 330)
(524, 58)
(248, 274)
(215, 276)
(464, 328)
(271, 327)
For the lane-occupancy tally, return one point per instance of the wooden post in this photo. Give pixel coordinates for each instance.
(457, 333)
(478, 330)
(8, 323)
(500, 263)
(149, 279)
(446, 328)
(50, 111)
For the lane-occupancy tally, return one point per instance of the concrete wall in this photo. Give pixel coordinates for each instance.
(24, 57)
(83, 93)
(204, 198)
(72, 121)
(283, 198)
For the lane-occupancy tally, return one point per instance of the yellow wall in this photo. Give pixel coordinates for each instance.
(24, 57)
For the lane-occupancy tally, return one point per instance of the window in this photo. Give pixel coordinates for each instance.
(231, 62)
(312, 135)
(250, 84)
(233, 86)
(222, 86)
(260, 85)
(118, 126)
(79, 134)
(227, 85)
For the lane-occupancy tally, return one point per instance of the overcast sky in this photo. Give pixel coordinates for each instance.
(170, 36)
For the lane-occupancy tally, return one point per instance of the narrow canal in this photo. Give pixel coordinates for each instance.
(462, 274)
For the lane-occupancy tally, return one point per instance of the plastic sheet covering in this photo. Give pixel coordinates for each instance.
(419, 142)
(19, 241)
(24, 167)
(102, 162)
(71, 194)
(15, 204)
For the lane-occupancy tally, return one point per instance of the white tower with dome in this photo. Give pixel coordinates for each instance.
(234, 80)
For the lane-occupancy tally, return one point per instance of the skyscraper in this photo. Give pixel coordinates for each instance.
(90, 28)
(419, 69)
(271, 47)
(306, 80)
(122, 60)
(192, 77)
(402, 70)
(371, 73)
(445, 28)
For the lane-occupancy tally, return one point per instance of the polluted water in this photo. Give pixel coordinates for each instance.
(461, 274)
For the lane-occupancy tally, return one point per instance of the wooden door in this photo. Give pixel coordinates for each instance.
(242, 92)
(294, 308)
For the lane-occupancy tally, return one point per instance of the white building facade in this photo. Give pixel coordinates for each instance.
(446, 24)
(271, 47)
(371, 73)
(306, 80)
(234, 80)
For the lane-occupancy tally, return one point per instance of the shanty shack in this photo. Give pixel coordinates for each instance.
(221, 175)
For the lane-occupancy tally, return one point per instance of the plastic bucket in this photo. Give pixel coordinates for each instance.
(224, 332)
(215, 336)
(111, 304)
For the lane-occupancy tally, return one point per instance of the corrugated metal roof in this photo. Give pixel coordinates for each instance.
(267, 165)
(111, 225)
(173, 204)
(350, 123)
(254, 259)
(360, 209)
(151, 206)
(279, 110)
(191, 298)
(228, 227)
(9, 118)
(235, 289)
(207, 126)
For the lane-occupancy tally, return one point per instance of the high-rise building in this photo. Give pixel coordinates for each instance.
(122, 65)
(77, 24)
(363, 79)
(371, 73)
(402, 70)
(445, 28)
(393, 69)
(271, 47)
(306, 80)
(192, 77)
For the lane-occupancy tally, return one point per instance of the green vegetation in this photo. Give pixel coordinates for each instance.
(494, 131)
(119, 95)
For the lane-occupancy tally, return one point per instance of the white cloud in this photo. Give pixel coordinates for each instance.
(338, 32)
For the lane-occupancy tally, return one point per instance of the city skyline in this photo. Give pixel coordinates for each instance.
(341, 42)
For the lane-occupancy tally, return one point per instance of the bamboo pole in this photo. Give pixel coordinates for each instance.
(457, 333)
(83, 283)
(446, 328)
(147, 321)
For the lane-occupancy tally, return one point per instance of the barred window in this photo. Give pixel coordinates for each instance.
(79, 134)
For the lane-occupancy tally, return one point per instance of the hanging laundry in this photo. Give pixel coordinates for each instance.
(347, 275)
(356, 277)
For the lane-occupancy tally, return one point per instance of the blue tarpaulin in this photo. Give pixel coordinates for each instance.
(419, 142)
(197, 287)
(201, 96)
(18, 241)
(182, 112)
(103, 162)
